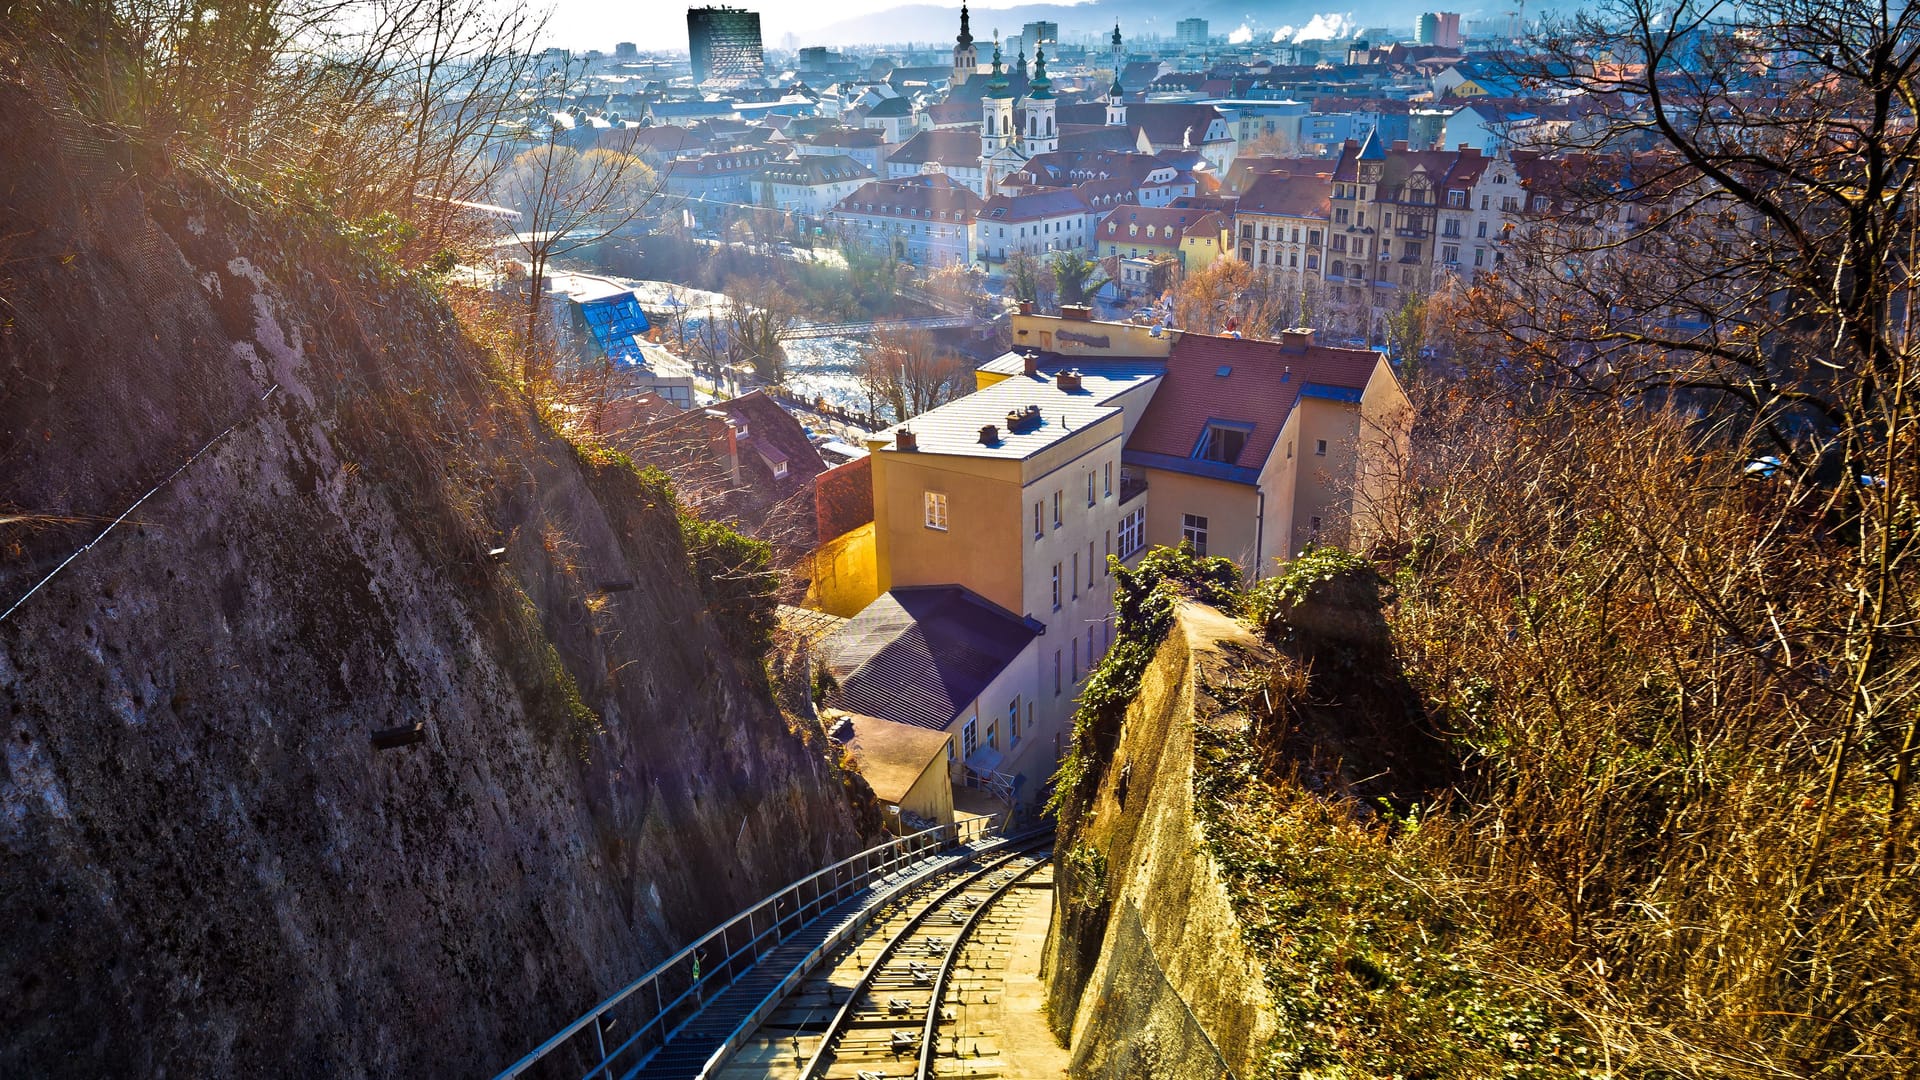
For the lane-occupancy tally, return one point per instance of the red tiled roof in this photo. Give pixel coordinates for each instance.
(775, 435)
(928, 195)
(1170, 224)
(1289, 195)
(952, 147)
(1262, 383)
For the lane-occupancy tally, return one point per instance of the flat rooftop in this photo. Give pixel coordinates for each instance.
(954, 428)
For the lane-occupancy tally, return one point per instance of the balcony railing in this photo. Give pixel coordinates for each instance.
(1132, 486)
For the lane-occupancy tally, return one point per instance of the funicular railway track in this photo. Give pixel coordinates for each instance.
(889, 1006)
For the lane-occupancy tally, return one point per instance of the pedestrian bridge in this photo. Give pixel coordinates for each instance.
(862, 329)
(682, 1019)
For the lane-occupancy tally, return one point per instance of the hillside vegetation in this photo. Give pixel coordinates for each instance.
(1522, 806)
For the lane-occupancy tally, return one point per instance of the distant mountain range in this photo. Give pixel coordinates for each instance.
(1138, 19)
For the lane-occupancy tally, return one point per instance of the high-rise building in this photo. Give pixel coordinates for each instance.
(724, 43)
(625, 50)
(1037, 33)
(1190, 32)
(1440, 28)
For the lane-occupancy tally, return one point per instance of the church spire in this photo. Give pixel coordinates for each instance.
(966, 35)
(1041, 86)
(997, 86)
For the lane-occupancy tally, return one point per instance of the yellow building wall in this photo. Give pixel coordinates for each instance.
(1324, 485)
(1199, 252)
(1092, 339)
(1386, 429)
(979, 548)
(931, 796)
(983, 378)
(845, 574)
(1230, 510)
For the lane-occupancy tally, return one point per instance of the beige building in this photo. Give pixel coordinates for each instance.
(944, 658)
(1089, 440)
(1015, 492)
(906, 765)
(1254, 449)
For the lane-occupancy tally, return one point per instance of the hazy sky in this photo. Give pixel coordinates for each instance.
(654, 24)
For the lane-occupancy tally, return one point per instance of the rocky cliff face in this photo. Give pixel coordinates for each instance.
(206, 868)
(1147, 973)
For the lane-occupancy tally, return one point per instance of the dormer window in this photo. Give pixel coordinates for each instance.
(1222, 441)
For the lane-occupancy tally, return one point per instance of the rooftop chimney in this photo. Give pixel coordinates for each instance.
(1026, 307)
(1030, 363)
(1400, 146)
(1297, 339)
(904, 439)
(1076, 313)
(1068, 380)
(990, 435)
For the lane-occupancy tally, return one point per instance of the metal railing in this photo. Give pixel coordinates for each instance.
(647, 1012)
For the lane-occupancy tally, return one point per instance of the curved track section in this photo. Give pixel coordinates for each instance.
(898, 1013)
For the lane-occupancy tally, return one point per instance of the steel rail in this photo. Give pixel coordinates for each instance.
(930, 1033)
(836, 1028)
(819, 891)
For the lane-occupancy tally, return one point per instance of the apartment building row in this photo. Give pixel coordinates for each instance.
(999, 516)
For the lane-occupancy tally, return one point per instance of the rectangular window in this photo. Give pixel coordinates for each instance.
(1320, 447)
(936, 511)
(993, 735)
(1109, 552)
(1089, 487)
(1076, 575)
(969, 736)
(1089, 566)
(1481, 232)
(1314, 524)
(1108, 467)
(1193, 530)
(1038, 532)
(1133, 532)
(1013, 723)
(1479, 256)
(1057, 685)
(1056, 586)
(1090, 653)
(1056, 507)
(1076, 660)
(1456, 198)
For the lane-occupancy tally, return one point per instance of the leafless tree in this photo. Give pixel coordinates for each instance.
(1671, 538)
(569, 200)
(906, 369)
